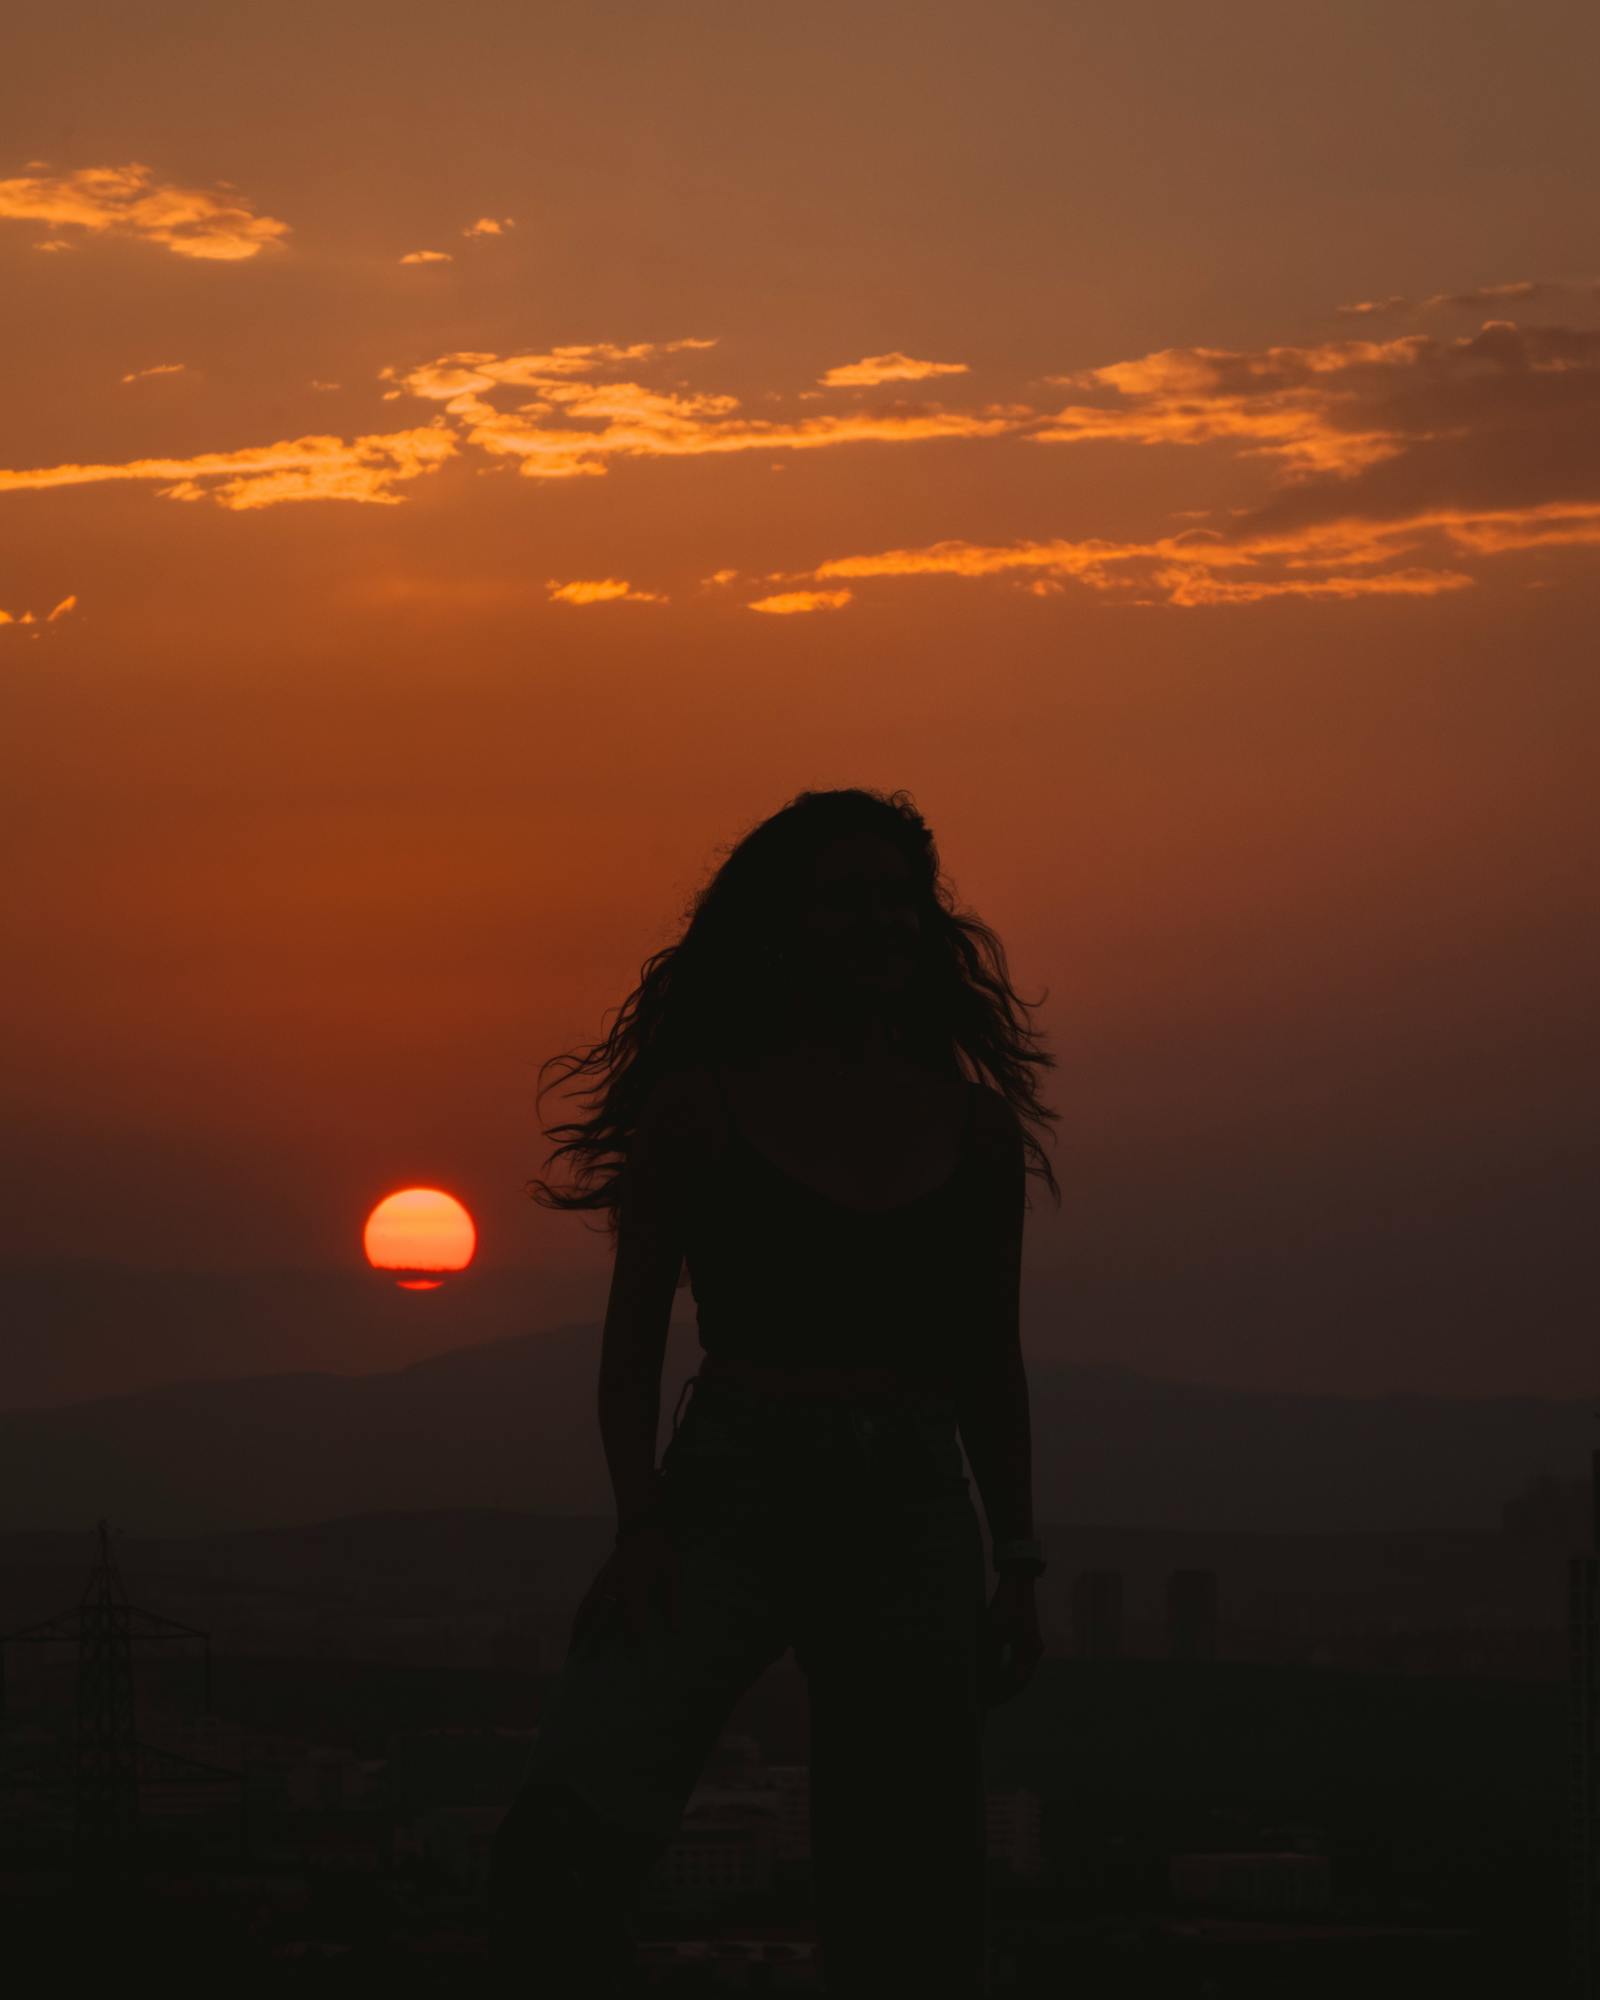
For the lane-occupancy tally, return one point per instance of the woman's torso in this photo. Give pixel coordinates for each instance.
(871, 1142)
(828, 1223)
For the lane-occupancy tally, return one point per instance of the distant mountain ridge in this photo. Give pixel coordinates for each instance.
(512, 1423)
(79, 1326)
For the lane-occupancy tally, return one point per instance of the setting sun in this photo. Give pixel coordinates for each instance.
(420, 1236)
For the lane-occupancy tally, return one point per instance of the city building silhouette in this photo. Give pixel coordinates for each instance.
(1097, 1614)
(1192, 1614)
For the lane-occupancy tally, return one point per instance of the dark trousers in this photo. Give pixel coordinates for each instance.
(843, 1528)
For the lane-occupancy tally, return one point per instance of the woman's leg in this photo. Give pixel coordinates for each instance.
(563, 1891)
(890, 1649)
(623, 1735)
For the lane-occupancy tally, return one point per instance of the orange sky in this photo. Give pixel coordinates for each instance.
(454, 478)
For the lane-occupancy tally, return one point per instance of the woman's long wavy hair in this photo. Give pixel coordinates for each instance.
(709, 996)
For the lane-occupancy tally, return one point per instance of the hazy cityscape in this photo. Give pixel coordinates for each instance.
(1249, 1763)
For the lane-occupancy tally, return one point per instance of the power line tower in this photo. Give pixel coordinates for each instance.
(105, 1817)
(108, 1759)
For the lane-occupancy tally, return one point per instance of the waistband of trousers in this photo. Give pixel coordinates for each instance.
(824, 1384)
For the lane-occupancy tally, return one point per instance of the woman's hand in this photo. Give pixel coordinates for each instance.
(1012, 1647)
(637, 1584)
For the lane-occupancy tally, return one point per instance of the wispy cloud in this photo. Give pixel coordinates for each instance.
(216, 224)
(1518, 291)
(1185, 570)
(1508, 415)
(24, 619)
(599, 590)
(427, 257)
(1362, 308)
(569, 428)
(562, 422)
(1332, 559)
(308, 468)
(488, 225)
(160, 368)
(1199, 586)
(1292, 403)
(788, 603)
(877, 368)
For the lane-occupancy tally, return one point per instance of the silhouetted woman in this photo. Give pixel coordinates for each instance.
(792, 1103)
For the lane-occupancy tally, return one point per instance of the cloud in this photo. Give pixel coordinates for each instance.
(1392, 468)
(1403, 430)
(427, 257)
(215, 224)
(1248, 564)
(788, 603)
(486, 225)
(559, 425)
(308, 468)
(1293, 403)
(1517, 291)
(1362, 307)
(887, 368)
(1497, 428)
(1189, 587)
(601, 590)
(160, 368)
(29, 618)
(1190, 569)
(564, 428)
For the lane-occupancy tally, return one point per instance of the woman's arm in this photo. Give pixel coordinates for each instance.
(992, 1393)
(649, 1257)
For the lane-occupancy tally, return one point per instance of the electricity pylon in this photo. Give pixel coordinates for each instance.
(107, 1754)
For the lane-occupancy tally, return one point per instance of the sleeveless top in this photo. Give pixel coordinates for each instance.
(786, 1275)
